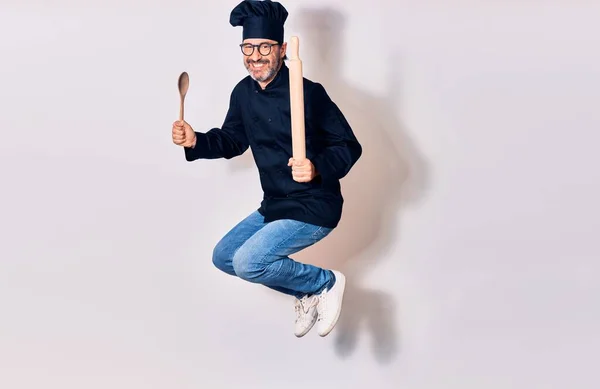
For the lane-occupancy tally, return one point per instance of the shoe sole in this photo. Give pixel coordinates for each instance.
(341, 283)
(306, 331)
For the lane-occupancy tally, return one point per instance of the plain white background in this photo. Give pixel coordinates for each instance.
(467, 237)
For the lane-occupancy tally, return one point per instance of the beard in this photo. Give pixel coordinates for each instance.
(265, 73)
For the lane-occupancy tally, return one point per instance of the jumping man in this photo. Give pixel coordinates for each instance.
(302, 201)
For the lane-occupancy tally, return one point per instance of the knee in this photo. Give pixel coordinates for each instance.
(248, 264)
(222, 258)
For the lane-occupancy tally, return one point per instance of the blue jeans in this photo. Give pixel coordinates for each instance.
(258, 252)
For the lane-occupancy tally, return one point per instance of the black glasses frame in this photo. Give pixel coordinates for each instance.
(268, 45)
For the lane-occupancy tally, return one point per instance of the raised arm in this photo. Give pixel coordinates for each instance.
(226, 142)
(342, 149)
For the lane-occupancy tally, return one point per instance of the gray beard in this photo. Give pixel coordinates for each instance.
(270, 73)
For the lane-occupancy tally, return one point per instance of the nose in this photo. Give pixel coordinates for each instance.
(256, 55)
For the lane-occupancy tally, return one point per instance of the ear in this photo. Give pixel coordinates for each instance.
(283, 49)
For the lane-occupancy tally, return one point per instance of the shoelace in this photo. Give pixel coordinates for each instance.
(303, 306)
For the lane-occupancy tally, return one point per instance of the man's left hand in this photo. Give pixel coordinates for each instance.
(302, 171)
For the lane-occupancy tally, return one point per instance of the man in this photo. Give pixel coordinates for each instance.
(302, 200)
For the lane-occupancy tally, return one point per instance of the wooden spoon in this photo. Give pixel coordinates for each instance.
(183, 84)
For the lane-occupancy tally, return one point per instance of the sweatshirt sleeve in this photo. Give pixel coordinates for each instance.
(342, 150)
(226, 142)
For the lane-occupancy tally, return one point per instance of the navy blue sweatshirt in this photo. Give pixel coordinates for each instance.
(260, 119)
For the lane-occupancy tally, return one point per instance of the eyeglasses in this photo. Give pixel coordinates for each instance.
(263, 48)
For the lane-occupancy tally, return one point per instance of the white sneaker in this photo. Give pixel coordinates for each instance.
(306, 314)
(330, 305)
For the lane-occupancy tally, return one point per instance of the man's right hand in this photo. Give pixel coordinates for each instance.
(183, 134)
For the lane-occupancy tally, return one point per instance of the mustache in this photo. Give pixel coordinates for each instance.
(264, 61)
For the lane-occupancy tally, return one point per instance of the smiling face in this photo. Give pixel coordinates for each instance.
(265, 60)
